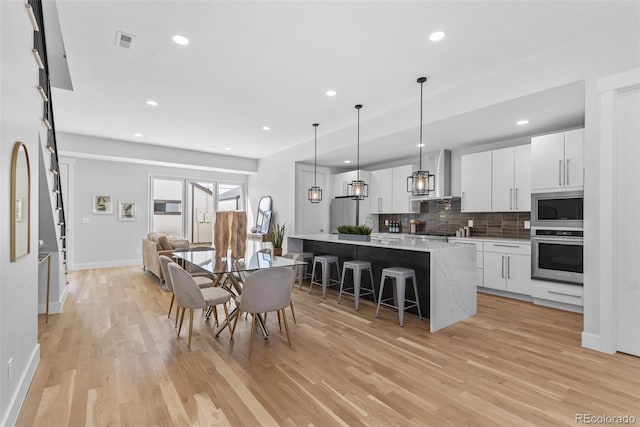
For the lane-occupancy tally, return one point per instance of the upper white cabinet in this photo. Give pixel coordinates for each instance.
(388, 190)
(511, 179)
(497, 181)
(401, 197)
(557, 161)
(380, 191)
(476, 182)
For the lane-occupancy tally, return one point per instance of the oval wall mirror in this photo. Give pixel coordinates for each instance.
(20, 202)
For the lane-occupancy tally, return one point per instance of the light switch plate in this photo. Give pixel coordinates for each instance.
(470, 224)
(85, 220)
(527, 225)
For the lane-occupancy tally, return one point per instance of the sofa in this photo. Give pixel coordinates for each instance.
(155, 245)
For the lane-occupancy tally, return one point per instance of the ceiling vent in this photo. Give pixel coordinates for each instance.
(124, 40)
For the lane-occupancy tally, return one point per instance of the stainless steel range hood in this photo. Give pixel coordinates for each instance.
(438, 163)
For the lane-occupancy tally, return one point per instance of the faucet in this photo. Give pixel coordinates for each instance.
(369, 222)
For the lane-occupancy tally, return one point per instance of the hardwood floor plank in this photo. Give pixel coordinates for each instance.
(112, 359)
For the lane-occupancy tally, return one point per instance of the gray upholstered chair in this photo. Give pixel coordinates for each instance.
(190, 295)
(203, 282)
(299, 274)
(265, 291)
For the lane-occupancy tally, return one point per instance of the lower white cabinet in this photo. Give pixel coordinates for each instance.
(557, 292)
(507, 266)
(479, 256)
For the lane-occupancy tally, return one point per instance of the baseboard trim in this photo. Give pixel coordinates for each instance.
(106, 264)
(55, 307)
(505, 294)
(594, 342)
(558, 305)
(15, 404)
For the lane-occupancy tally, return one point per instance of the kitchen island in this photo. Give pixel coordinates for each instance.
(445, 272)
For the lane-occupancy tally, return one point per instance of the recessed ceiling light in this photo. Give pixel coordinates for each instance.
(347, 161)
(331, 93)
(181, 40)
(152, 103)
(436, 36)
(137, 134)
(419, 145)
(266, 128)
(522, 122)
(228, 149)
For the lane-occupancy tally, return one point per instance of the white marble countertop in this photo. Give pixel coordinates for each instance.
(492, 239)
(405, 244)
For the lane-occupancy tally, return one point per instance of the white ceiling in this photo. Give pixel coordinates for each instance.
(251, 64)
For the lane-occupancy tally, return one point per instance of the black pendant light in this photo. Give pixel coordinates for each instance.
(421, 183)
(358, 189)
(315, 192)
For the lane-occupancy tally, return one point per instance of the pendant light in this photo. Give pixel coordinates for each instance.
(315, 192)
(358, 189)
(420, 183)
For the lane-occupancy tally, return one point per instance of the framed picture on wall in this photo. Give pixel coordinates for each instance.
(127, 211)
(102, 204)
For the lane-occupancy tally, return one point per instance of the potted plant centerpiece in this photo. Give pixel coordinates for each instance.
(277, 238)
(354, 232)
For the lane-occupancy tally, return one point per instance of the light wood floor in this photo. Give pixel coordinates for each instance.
(111, 358)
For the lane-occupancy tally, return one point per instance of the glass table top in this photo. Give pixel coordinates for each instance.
(208, 261)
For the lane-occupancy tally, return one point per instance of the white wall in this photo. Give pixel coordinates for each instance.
(20, 111)
(104, 241)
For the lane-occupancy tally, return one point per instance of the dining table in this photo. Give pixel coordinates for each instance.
(230, 273)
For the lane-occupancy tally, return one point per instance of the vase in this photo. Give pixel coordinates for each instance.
(358, 237)
(277, 251)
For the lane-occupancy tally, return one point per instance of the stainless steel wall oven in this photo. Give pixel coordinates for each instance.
(557, 255)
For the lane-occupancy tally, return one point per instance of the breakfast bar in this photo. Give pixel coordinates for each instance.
(445, 272)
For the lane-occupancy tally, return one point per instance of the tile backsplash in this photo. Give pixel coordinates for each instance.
(445, 217)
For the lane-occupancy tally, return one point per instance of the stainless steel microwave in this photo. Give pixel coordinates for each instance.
(563, 209)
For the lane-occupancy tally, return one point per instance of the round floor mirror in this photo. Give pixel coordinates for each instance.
(20, 202)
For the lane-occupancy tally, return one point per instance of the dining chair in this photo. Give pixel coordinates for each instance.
(298, 276)
(203, 282)
(189, 295)
(265, 291)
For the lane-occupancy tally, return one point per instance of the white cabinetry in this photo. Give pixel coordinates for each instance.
(544, 292)
(476, 182)
(479, 256)
(401, 197)
(557, 161)
(380, 191)
(507, 267)
(388, 190)
(511, 179)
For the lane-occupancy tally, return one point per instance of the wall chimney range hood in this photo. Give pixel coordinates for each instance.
(439, 164)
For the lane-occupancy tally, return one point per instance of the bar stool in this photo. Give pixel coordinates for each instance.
(304, 274)
(357, 267)
(325, 261)
(399, 276)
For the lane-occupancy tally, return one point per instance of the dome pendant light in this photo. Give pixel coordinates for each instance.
(358, 189)
(315, 192)
(420, 183)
